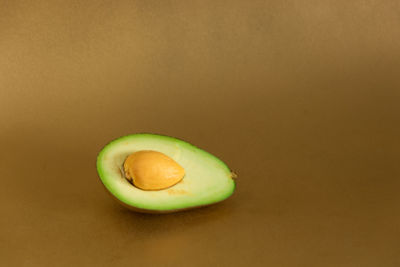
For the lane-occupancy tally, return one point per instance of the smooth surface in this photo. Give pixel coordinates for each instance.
(151, 170)
(300, 98)
(207, 180)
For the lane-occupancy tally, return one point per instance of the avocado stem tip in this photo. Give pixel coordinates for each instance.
(233, 175)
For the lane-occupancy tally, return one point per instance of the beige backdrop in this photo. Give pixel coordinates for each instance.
(300, 98)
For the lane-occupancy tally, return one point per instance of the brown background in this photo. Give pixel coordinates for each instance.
(300, 98)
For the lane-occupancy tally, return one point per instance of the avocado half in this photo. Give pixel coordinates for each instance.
(207, 179)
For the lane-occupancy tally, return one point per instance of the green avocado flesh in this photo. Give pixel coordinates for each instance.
(207, 179)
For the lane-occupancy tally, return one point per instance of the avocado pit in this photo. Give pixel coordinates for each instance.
(152, 170)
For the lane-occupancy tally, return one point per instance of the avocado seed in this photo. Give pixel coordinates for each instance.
(152, 170)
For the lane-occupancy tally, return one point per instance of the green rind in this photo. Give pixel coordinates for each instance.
(158, 209)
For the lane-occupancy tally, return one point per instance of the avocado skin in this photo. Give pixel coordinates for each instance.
(147, 211)
(154, 211)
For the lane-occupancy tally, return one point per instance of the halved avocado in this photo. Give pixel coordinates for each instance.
(207, 179)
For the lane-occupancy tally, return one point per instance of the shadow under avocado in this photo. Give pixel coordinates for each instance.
(160, 223)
